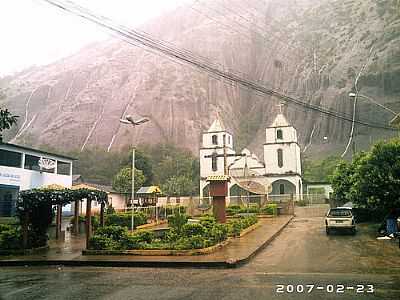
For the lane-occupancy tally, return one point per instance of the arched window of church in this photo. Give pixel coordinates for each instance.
(282, 189)
(280, 158)
(279, 134)
(214, 165)
(214, 139)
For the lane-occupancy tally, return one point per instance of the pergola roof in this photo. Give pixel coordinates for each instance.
(54, 186)
(153, 189)
(218, 178)
(84, 186)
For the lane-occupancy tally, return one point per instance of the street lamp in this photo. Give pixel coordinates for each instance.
(354, 95)
(130, 121)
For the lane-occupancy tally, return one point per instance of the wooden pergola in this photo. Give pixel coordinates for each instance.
(88, 225)
(58, 195)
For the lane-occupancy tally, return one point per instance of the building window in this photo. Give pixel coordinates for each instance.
(214, 140)
(10, 159)
(32, 162)
(63, 168)
(214, 165)
(280, 158)
(282, 189)
(279, 134)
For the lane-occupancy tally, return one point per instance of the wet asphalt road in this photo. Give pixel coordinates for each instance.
(301, 257)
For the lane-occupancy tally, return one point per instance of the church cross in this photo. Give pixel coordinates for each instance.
(280, 105)
(225, 156)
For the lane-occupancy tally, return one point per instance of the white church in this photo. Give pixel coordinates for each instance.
(280, 169)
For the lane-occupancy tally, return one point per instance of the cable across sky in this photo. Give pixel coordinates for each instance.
(141, 39)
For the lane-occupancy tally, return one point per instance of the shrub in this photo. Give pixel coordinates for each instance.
(219, 233)
(193, 242)
(234, 228)
(144, 236)
(270, 209)
(207, 221)
(189, 230)
(110, 210)
(251, 209)
(237, 225)
(125, 219)
(232, 210)
(10, 237)
(102, 242)
(116, 233)
(177, 221)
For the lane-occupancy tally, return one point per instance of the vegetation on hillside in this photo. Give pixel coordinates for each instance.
(320, 170)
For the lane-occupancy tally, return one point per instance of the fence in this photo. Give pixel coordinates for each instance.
(196, 206)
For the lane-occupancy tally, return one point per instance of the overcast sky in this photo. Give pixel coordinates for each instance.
(33, 32)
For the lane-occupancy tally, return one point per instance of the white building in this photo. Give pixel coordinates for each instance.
(281, 166)
(20, 170)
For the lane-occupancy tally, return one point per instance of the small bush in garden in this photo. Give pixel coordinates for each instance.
(138, 240)
(125, 219)
(110, 210)
(253, 209)
(234, 228)
(207, 221)
(232, 210)
(193, 229)
(219, 232)
(102, 242)
(196, 242)
(270, 209)
(116, 233)
(176, 221)
(172, 236)
(144, 236)
(10, 237)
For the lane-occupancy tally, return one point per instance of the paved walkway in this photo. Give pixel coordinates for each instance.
(236, 253)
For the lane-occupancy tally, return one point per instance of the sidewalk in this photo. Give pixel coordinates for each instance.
(235, 254)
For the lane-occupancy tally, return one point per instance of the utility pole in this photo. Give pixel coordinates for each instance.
(129, 120)
(225, 156)
(133, 184)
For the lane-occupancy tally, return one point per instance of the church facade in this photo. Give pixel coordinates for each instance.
(281, 166)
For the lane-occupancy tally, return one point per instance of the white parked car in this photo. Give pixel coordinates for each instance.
(340, 218)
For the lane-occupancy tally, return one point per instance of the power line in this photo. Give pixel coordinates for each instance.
(134, 37)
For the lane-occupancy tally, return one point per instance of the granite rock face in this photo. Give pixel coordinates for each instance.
(313, 50)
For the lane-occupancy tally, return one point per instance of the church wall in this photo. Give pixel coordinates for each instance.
(291, 158)
(289, 134)
(207, 140)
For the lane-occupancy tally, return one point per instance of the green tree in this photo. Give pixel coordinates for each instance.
(122, 182)
(6, 121)
(179, 186)
(320, 170)
(372, 179)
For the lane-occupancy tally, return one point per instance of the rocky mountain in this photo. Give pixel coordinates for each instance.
(312, 50)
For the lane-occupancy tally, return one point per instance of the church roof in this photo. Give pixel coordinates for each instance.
(280, 121)
(217, 125)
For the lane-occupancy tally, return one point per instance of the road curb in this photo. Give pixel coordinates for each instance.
(246, 260)
(146, 264)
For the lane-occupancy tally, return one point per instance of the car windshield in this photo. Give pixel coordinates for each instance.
(340, 213)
